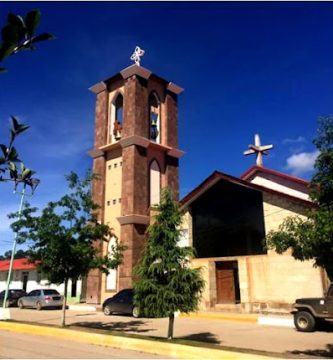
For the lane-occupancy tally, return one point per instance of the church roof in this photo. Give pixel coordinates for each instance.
(254, 170)
(217, 176)
(135, 70)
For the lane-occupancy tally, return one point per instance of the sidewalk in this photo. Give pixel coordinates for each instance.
(243, 335)
(269, 319)
(284, 320)
(173, 349)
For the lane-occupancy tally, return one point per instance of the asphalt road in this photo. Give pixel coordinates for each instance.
(226, 333)
(22, 346)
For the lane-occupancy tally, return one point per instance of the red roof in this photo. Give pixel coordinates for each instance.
(18, 264)
(257, 169)
(217, 176)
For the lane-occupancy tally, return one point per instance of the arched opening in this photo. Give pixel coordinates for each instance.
(111, 278)
(116, 123)
(154, 118)
(155, 183)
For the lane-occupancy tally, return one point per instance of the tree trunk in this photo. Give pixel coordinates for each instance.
(171, 323)
(63, 316)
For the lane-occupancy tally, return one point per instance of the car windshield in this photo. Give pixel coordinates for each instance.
(17, 292)
(51, 292)
(124, 293)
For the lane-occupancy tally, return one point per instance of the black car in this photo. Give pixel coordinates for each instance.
(13, 296)
(121, 303)
(311, 312)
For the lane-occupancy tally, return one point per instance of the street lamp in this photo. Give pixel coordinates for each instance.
(33, 183)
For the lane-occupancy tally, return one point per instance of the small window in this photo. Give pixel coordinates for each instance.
(155, 183)
(154, 118)
(115, 165)
(114, 201)
(121, 163)
(119, 200)
(51, 292)
(118, 117)
(108, 203)
(111, 278)
(109, 167)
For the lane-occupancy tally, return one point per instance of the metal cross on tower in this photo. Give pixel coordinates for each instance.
(258, 149)
(136, 56)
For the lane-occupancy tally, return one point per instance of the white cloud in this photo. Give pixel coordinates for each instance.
(299, 139)
(302, 162)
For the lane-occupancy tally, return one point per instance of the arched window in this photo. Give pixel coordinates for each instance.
(155, 183)
(116, 123)
(154, 118)
(111, 278)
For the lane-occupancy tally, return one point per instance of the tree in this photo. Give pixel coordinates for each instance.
(20, 254)
(18, 35)
(311, 238)
(165, 283)
(63, 236)
(9, 157)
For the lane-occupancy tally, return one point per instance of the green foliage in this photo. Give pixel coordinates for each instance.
(19, 34)
(64, 234)
(322, 181)
(9, 157)
(312, 237)
(165, 283)
(18, 255)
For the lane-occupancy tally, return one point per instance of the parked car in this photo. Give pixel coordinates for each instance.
(40, 299)
(121, 303)
(13, 296)
(310, 312)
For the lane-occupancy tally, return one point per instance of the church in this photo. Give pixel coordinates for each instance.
(226, 218)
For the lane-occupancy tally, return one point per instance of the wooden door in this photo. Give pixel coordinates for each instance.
(225, 282)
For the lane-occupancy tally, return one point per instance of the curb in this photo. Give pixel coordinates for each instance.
(178, 351)
(248, 318)
(245, 318)
(276, 321)
(82, 307)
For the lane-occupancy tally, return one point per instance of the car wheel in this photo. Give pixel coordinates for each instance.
(107, 310)
(20, 304)
(136, 312)
(39, 306)
(304, 321)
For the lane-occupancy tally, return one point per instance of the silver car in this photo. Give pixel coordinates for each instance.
(40, 299)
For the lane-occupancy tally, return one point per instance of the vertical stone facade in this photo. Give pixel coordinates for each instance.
(136, 151)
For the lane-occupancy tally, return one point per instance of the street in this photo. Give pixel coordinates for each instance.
(226, 333)
(23, 346)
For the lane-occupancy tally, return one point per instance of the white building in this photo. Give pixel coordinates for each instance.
(26, 276)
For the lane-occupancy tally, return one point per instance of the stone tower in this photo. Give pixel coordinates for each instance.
(136, 155)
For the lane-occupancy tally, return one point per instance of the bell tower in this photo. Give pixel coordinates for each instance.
(136, 155)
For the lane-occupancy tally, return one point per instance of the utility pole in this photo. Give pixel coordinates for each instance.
(4, 315)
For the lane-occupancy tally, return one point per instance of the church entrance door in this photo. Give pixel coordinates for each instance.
(227, 282)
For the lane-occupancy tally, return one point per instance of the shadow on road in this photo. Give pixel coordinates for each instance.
(204, 336)
(131, 326)
(328, 353)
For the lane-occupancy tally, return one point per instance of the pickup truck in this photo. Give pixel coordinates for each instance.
(310, 312)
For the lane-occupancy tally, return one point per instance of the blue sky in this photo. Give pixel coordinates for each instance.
(247, 68)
